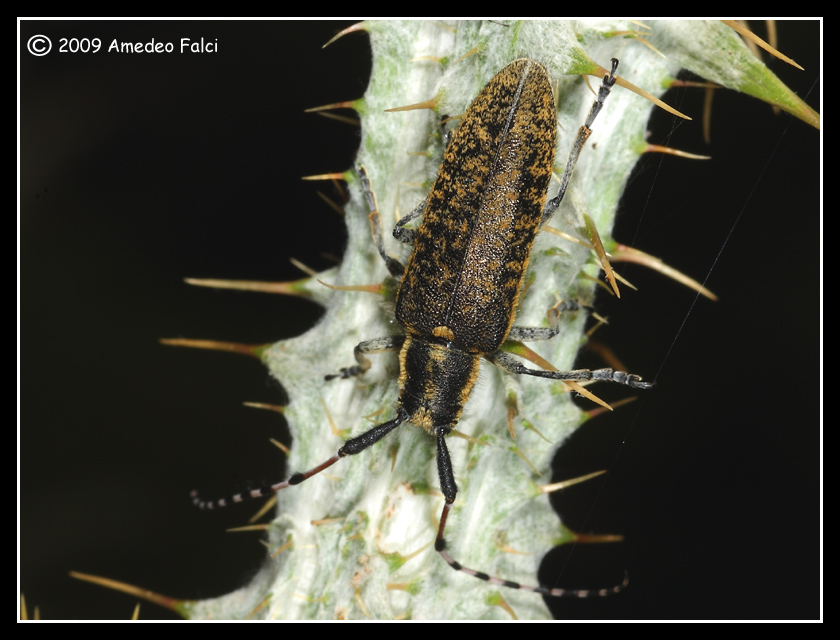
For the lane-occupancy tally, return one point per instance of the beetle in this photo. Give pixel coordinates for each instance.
(459, 290)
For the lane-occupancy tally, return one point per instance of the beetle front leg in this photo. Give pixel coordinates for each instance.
(512, 365)
(391, 343)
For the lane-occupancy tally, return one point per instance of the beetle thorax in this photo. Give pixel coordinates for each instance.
(436, 379)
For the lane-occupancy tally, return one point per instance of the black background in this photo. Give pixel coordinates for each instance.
(136, 171)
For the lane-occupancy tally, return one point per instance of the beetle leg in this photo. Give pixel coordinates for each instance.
(512, 365)
(408, 235)
(583, 135)
(533, 334)
(378, 345)
(395, 267)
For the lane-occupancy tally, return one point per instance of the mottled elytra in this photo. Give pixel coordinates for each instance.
(459, 290)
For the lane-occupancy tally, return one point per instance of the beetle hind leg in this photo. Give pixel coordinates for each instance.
(395, 267)
(583, 135)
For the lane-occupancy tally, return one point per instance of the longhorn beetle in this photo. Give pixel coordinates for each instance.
(458, 292)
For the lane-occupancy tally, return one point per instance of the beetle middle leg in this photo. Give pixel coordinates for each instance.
(534, 334)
